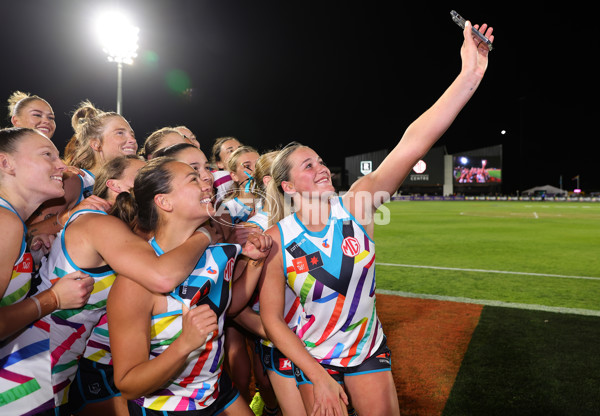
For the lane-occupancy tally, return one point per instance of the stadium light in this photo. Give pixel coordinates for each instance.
(118, 38)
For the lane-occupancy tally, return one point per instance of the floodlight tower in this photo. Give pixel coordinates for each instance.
(119, 41)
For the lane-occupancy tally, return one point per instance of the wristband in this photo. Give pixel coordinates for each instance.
(55, 297)
(37, 304)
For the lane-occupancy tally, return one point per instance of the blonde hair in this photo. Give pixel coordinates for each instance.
(275, 201)
(19, 100)
(262, 169)
(232, 167)
(70, 147)
(88, 122)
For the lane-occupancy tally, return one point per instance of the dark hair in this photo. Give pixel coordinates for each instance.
(172, 150)
(113, 169)
(216, 149)
(137, 207)
(9, 137)
(153, 142)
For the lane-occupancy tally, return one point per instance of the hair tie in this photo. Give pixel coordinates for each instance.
(250, 178)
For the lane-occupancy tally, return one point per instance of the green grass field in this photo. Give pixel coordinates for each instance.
(538, 253)
(509, 256)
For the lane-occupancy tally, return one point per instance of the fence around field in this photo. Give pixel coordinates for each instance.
(493, 198)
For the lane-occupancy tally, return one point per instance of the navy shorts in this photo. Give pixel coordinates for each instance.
(93, 383)
(273, 360)
(381, 360)
(227, 395)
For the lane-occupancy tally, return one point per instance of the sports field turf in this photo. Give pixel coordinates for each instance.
(522, 252)
(528, 277)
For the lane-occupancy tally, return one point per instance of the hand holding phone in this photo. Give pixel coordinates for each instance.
(460, 21)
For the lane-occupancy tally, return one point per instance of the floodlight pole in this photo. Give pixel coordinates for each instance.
(119, 88)
(119, 40)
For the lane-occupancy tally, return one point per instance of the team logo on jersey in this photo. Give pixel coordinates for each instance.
(351, 247)
(94, 388)
(307, 263)
(25, 265)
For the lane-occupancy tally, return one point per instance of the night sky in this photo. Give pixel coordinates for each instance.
(326, 74)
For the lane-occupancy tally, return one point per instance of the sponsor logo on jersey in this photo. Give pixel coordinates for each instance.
(200, 293)
(228, 272)
(351, 247)
(26, 265)
(307, 263)
(384, 358)
(285, 364)
(194, 293)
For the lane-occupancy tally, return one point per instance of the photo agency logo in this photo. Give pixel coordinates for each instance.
(371, 206)
(234, 210)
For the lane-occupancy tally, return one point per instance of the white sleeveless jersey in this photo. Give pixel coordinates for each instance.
(222, 183)
(260, 217)
(71, 328)
(332, 272)
(25, 385)
(292, 308)
(87, 185)
(98, 345)
(238, 210)
(197, 385)
(20, 280)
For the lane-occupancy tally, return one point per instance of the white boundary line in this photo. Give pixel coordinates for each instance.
(562, 276)
(485, 302)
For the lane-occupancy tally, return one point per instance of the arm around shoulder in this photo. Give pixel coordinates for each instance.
(160, 274)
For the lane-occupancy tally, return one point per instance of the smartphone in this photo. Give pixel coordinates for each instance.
(459, 20)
